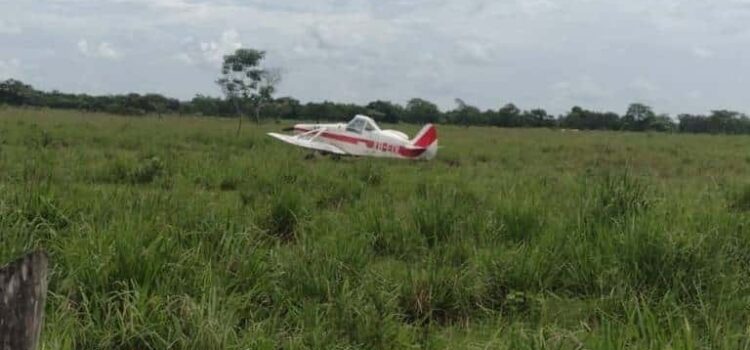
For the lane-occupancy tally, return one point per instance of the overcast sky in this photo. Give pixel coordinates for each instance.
(678, 56)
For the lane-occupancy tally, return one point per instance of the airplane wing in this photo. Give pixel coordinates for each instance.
(307, 140)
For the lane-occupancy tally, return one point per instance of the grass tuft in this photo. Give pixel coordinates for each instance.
(515, 223)
(741, 201)
(229, 184)
(286, 212)
(129, 171)
(620, 195)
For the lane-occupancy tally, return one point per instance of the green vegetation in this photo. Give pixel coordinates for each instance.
(173, 233)
(247, 87)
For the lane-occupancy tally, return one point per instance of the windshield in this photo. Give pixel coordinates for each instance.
(355, 126)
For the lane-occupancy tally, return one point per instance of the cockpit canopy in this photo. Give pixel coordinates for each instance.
(360, 123)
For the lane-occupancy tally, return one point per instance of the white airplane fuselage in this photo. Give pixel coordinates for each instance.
(376, 143)
(362, 137)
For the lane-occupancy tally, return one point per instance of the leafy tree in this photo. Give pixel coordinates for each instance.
(537, 118)
(385, 111)
(509, 116)
(661, 123)
(691, 123)
(465, 114)
(244, 81)
(421, 111)
(579, 118)
(328, 111)
(728, 122)
(156, 103)
(285, 107)
(638, 117)
(14, 92)
(720, 121)
(206, 105)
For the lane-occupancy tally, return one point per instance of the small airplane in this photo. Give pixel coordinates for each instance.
(362, 137)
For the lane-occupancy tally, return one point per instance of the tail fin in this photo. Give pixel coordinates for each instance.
(426, 137)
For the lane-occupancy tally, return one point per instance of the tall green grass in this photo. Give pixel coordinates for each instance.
(174, 233)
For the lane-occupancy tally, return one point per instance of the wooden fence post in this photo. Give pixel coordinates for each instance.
(23, 288)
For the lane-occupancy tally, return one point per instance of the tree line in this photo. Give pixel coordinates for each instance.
(637, 117)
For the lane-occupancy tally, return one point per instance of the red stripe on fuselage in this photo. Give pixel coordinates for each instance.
(408, 152)
(411, 152)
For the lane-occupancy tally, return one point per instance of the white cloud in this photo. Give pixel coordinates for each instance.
(537, 7)
(170, 4)
(644, 85)
(106, 50)
(184, 58)
(83, 47)
(214, 51)
(9, 28)
(694, 94)
(208, 53)
(103, 50)
(583, 91)
(547, 53)
(702, 52)
(10, 69)
(475, 53)
(584, 87)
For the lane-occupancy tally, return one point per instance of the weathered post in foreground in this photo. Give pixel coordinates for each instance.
(23, 287)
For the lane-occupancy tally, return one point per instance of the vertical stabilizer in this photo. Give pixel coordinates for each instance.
(426, 137)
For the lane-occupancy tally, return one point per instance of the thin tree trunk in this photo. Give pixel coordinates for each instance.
(239, 114)
(23, 288)
(257, 114)
(239, 125)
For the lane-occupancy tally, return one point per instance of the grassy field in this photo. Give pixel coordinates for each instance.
(174, 233)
